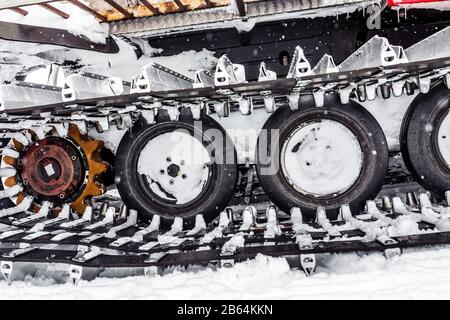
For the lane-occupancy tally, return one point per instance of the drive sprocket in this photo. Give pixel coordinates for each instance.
(57, 169)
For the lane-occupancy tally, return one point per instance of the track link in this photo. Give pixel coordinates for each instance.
(108, 237)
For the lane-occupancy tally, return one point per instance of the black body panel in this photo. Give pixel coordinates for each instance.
(25, 33)
(338, 36)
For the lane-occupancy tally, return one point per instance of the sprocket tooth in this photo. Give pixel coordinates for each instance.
(20, 198)
(10, 182)
(10, 161)
(91, 190)
(91, 150)
(18, 145)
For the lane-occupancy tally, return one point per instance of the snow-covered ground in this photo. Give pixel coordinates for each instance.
(417, 274)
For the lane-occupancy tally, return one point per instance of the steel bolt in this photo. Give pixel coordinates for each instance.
(307, 260)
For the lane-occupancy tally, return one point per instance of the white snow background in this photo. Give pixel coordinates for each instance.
(417, 274)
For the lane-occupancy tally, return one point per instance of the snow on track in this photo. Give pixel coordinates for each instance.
(417, 274)
(79, 22)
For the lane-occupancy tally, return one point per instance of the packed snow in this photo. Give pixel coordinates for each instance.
(389, 114)
(416, 274)
(322, 158)
(14, 57)
(78, 23)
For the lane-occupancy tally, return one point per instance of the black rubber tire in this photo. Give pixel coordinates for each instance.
(362, 124)
(419, 146)
(218, 190)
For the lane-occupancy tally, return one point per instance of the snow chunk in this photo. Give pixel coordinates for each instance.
(80, 23)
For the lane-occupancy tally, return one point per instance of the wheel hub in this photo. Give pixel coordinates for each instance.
(52, 169)
(321, 158)
(175, 165)
(58, 170)
(173, 170)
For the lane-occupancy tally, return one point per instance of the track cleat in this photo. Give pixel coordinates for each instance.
(411, 199)
(156, 257)
(200, 226)
(130, 222)
(266, 74)
(85, 219)
(374, 53)
(87, 85)
(152, 227)
(176, 228)
(300, 66)
(249, 218)
(272, 227)
(308, 263)
(322, 220)
(231, 246)
(155, 77)
(424, 201)
(6, 268)
(107, 220)
(227, 263)
(228, 73)
(203, 79)
(75, 274)
(151, 271)
(297, 221)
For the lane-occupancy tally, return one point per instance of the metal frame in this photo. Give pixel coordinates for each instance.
(126, 14)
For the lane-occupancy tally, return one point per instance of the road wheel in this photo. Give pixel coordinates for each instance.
(176, 168)
(425, 139)
(326, 157)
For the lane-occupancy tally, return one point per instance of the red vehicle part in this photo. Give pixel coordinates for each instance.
(396, 3)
